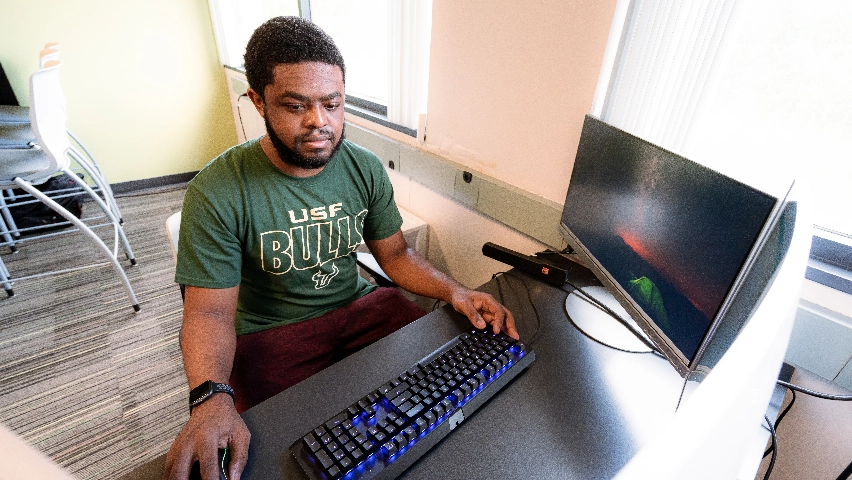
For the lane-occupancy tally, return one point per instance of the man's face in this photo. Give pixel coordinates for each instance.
(303, 112)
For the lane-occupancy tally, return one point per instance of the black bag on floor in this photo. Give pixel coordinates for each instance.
(37, 214)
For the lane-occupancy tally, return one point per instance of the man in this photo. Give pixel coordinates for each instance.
(267, 247)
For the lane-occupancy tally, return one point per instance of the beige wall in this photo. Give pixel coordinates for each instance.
(144, 85)
(510, 83)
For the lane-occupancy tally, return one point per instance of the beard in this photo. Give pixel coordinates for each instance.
(296, 159)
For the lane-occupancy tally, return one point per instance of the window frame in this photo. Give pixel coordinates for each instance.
(366, 109)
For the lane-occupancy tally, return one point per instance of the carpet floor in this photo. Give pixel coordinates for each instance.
(98, 388)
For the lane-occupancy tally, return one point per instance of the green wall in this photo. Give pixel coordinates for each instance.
(144, 85)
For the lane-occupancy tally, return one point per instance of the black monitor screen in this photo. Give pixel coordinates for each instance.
(671, 233)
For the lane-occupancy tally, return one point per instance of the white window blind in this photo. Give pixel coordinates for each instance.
(754, 88)
(666, 55)
(409, 36)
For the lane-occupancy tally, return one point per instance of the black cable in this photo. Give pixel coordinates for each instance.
(781, 417)
(774, 448)
(435, 306)
(620, 320)
(535, 310)
(827, 396)
(587, 335)
(845, 474)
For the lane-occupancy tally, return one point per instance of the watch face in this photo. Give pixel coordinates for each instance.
(201, 391)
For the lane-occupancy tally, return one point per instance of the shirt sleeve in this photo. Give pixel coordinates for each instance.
(383, 218)
(209, 250)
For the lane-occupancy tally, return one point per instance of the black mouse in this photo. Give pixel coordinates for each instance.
(224, 459)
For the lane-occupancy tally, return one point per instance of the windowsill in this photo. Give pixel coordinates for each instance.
(830, 263)
(381, 120)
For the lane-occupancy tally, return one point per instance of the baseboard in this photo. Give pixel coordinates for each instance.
(133, 186)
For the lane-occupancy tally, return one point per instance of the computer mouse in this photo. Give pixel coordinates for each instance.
(224, 459)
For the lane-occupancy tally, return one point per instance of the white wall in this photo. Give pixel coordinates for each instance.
(510, 83)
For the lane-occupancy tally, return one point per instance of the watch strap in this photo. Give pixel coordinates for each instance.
(206, 390)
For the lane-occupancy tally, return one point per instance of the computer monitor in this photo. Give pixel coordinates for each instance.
(687, 251)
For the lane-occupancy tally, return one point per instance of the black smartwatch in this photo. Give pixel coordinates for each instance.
(201, 393)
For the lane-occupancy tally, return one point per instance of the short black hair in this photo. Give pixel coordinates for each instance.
(287, 40)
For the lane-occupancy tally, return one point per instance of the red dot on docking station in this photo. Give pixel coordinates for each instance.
(545, 270)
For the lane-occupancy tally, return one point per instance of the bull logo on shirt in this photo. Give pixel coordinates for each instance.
(323, 279)
(311, 245)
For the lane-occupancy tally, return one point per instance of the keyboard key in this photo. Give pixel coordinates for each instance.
(324, 459)
(312, 443)
(336, 420)
(413, 411)
(338, 454)
(421, 424)
(389, 449)
(401, 398)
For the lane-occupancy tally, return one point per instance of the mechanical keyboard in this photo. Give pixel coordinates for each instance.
(394, 425)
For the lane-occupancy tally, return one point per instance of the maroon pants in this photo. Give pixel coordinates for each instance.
(270, 361)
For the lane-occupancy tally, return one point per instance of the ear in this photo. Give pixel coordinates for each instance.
(257, 101)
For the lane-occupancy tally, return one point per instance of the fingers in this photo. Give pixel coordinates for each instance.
(178, 462)
(468, 309)
(208, 462)
(239, 453)
(510, 326)
(483, 310)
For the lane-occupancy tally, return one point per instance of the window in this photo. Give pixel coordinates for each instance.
(235, 20)
(385, 44)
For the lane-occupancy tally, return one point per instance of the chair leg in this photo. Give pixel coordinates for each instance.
(7, 237)
(97, 169)
(7, 218)
(119, 232)
(85, 229)
(4, 279)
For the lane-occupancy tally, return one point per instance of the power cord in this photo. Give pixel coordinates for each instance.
(847, 472)
(774, 447)
(781, 417)
(620, 320)
(827, 396)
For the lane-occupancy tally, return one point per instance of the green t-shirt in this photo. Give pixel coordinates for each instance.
(288, 242)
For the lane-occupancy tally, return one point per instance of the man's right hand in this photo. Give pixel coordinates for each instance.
(213, 425)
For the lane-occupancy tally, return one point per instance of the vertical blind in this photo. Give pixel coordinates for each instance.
(661, 59)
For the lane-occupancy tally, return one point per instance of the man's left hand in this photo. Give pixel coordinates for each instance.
(482, 310)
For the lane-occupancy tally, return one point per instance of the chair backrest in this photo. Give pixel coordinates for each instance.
(47, 115)
(173, 232)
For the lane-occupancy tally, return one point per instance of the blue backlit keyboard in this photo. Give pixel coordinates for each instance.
(395, 424)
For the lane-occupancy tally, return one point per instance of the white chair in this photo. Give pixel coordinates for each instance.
(25, 167)
(16, 132)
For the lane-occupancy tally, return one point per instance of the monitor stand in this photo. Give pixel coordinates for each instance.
(598, 324)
